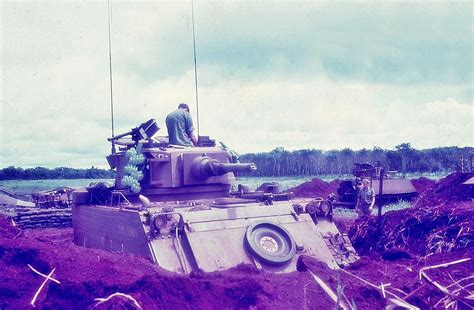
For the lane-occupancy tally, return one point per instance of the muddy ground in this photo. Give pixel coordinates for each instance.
(437, 230)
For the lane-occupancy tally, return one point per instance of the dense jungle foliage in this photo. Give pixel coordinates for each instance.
(281, 162)
(41, 173)
(403, 158)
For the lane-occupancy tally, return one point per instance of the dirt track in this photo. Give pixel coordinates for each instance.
(88, 274)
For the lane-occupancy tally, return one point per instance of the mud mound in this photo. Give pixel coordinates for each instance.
(445, 191)
(420, 231)
(422, 184)
(314, 188)
(86, 275)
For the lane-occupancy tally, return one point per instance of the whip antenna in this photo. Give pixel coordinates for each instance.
(110, 75)
(195, 67)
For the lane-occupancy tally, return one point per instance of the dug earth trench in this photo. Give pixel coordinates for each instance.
(388, 260)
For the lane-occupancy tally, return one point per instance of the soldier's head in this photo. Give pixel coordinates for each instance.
(365, 183)
(183, 106)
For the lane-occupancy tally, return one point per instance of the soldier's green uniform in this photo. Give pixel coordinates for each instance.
(179, 124)
(365, 200)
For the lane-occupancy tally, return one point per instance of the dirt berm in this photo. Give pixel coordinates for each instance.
(87, 274)
(315, 188)
(441, 220)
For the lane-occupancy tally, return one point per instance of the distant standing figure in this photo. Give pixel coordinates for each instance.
(365, 199)
(180, 127)
(357, 184)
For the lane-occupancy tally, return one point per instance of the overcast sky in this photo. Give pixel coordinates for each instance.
(271, 73)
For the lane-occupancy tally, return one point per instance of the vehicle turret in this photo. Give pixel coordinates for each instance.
(161, 171)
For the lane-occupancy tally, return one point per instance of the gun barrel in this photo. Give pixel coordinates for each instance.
(204, 167)
(239, 167)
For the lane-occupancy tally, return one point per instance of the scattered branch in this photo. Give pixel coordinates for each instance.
(442, 265)
(328, 290)
(43, 275)
(48, 277)
(379, 288)
(412, 293)
(132, 300)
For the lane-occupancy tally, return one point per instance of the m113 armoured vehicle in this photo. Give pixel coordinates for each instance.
(393, 188)
(176, 206)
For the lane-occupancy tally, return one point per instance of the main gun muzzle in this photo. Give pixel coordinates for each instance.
(205, 167)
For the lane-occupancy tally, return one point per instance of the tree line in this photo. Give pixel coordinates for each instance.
(40, 173)
(404, 158)
(280, 162)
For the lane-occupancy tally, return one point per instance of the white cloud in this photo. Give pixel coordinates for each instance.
(322, 113)
(69, 126)
(55, 87)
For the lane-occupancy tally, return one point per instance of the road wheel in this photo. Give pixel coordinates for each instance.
(270, 243)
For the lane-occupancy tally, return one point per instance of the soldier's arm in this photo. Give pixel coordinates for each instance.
(194, 139)
(373, 199)
(190, 129)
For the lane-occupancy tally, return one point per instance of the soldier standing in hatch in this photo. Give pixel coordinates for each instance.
(365, 199)
(180, 127)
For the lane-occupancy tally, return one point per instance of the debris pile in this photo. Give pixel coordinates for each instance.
(56, 198)
(446, 191)
(422, 184)
(436, 282)
(441, 221)
(456, 294)
(314, 188)
(420, 231)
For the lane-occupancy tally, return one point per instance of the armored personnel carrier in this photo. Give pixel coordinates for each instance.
(177, 206)
(393, 188)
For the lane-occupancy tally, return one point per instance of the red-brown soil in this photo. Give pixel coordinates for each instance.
(87, 274)
(420, 231)
(422, 184)
(441, 219)
(446, 191)
(315, 188)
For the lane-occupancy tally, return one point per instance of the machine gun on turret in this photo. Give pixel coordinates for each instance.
(144, 131)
